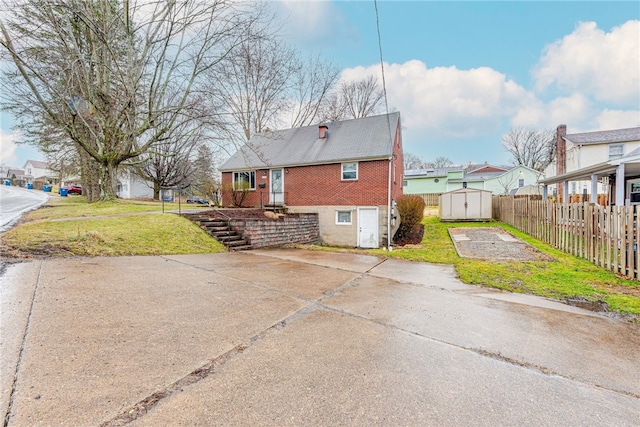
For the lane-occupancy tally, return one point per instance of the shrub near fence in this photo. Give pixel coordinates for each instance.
(608, 236)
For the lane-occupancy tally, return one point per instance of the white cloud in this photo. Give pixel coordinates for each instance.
(576, 109)
(603, 65)
(617, 119)
(8, 155)
(445, 102)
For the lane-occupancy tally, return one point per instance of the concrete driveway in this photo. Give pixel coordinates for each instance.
(294, 337)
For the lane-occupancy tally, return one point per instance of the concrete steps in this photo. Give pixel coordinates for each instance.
(219, 229)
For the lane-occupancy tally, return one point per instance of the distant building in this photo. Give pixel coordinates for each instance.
(497, 179)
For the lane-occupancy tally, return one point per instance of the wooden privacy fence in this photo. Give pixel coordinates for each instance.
(430, 199)
(605, 235)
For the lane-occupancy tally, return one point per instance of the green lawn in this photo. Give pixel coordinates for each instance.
(113, 228)
(564, 277)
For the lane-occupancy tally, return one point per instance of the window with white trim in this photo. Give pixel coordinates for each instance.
(349, 171)
(616, 151)
(521, 182)
(244, 180)
(343, 217)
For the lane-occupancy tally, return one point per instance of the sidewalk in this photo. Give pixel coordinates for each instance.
(294, 337)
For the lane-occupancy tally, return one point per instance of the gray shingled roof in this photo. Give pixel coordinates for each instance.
(348, 140)
(436, 172)
(605, 136)
(38, 164)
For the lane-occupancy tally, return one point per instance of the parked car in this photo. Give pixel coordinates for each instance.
(197, 200)
(74, 189)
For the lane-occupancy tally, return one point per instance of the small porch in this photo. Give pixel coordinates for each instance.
(619, 178)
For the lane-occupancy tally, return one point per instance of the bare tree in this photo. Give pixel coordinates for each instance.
(205, 178)
(105, 71)
(353, 100)
(442, 162)
(507, 181)
(311, 90)
(168, 164)
(264, 84)
(412, 161)
(531, 148)
(362, 98)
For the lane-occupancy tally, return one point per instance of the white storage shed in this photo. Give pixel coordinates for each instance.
(466, 204)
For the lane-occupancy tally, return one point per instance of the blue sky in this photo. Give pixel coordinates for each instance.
(463, 73)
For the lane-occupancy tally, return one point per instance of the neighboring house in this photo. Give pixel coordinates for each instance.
(38, 171)
(498, 180)
(18, 173)
(131, 186)
(596, 162)
(16, 176)
(348, 172)
(430, 181)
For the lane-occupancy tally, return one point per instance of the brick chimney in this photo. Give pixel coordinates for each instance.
(322, 131)
(561, 156)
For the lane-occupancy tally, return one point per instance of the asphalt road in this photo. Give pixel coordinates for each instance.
(295, 337)
(14, 201)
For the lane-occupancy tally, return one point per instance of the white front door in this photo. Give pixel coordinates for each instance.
(368, 227)
(276, 187)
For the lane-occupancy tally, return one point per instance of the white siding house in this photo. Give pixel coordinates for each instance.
(600, 162)
(34, 169)
(131, 186)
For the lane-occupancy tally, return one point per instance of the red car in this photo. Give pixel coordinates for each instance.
(74, 189)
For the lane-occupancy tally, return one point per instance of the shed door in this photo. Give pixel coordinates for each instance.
(474, 205)
(368, 227)
(458, 205)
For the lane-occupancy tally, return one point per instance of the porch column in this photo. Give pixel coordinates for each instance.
(594, 188)
(620, 185)
(565, 192)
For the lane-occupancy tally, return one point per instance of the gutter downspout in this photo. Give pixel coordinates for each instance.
(389, 237)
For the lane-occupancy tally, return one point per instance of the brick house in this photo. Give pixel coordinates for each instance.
(348, 172)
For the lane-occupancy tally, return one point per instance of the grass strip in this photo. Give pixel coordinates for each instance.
(565, 277)
(145, 234)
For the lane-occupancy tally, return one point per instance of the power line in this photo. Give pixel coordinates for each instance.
(384, 84)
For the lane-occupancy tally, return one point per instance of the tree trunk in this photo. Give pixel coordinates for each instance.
(156, 191)
(89, 176)
(108, 181)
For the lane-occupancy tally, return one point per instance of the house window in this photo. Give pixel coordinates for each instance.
(349, 171)
(616, 151)
(521, 182)
(464, 185)
(405, 183)
(343, 217)
(244, 180)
